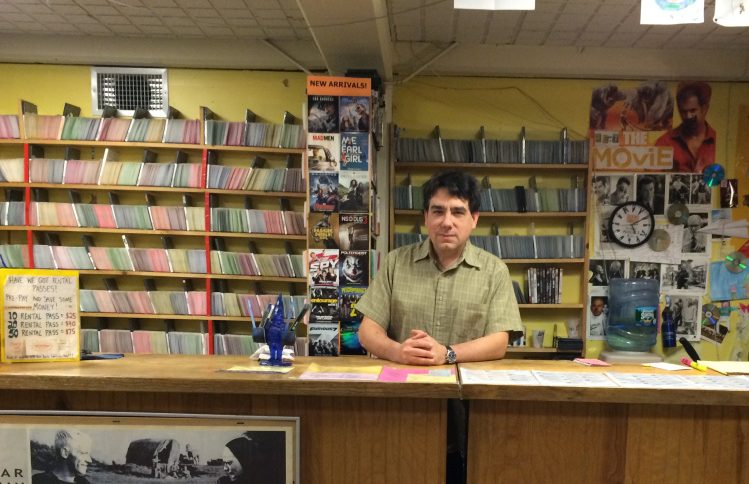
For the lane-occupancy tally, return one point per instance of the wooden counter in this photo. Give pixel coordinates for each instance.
(347, 433)
(538, 434)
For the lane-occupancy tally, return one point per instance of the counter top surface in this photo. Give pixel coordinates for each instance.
(204, 374)
(597, 394)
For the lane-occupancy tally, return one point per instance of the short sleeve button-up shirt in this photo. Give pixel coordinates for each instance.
(474, 298)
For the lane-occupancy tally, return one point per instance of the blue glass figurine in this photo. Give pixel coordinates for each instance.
(275, 335)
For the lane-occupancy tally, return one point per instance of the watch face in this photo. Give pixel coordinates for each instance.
(631, 224)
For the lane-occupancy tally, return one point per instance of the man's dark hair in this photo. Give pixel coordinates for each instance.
(701, 90)
(458, 184)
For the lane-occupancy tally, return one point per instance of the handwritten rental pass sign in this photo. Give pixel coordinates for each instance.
(40, 315)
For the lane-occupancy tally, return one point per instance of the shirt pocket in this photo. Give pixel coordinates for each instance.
(469, 322)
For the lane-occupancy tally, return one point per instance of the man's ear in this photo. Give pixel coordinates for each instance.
(64, 452)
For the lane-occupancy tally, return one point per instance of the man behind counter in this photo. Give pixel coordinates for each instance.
(442, 300)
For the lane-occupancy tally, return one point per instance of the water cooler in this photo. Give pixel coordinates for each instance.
(633, 321)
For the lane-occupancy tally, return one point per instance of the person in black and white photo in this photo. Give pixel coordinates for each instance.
(72, 451)
(651, 192)
(678, 189)
(645, 270)
(684, 310)
(598, 316)
(694, 242)
(622, 191)
(687, 274)
(615, 269)
(700, 192)
(598, 277)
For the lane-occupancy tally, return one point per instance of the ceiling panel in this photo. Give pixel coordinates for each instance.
(335, 35)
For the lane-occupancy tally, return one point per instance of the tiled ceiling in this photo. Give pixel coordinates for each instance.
(397, 37)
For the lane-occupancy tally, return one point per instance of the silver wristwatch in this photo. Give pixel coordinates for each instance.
(450, 357)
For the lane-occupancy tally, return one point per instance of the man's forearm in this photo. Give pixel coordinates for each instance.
(376, 341)
(486, 348)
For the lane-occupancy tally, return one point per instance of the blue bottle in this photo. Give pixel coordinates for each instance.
(633, 314)
(668, 328)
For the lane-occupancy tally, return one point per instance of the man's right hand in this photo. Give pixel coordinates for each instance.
(421, 349)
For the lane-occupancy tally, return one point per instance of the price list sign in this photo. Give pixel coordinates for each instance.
(40, 315)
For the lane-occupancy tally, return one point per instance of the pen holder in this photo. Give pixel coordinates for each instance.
(258, 334)
(289, 338)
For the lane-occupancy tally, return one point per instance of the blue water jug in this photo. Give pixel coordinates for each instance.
(633, 314)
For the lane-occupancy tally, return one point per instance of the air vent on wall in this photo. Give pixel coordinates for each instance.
(129, 88)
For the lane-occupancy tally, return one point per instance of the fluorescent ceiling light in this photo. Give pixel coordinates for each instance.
(672, 12)
(732, 13)
(495, 4)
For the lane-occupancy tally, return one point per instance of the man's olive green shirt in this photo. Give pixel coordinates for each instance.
(472, 299)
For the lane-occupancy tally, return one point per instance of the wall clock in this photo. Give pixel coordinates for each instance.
(631, 224)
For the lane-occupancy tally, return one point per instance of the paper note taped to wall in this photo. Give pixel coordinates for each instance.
(40, 315)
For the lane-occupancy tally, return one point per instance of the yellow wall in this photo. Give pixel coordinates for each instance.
(227, 92)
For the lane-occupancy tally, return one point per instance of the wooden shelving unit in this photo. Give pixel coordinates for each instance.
(22, 148)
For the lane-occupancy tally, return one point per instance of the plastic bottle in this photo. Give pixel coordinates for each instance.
(668, 328)
(633, 314)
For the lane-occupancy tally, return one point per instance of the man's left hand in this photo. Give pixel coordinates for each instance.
(421, 339)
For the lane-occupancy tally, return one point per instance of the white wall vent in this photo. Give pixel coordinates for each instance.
(129, 88)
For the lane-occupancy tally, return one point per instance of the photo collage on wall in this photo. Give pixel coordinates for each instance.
(676, 255)
(338, 155)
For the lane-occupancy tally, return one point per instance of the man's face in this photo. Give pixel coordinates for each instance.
(232, 467)
(599, 188)
(648, 191)
(596, 307)
(693, 226)
(79, 457)
(449, 221)
(692, 115)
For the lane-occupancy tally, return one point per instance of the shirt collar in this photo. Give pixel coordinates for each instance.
(710, 133)
(470, 253)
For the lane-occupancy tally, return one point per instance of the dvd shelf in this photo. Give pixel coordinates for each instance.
(142, 200)
(534, 214)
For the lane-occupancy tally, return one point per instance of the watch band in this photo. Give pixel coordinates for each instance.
(450, 357)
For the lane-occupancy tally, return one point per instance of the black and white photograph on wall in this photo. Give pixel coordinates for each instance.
(685, 309)
(699, 193)
(651, 192)
(598, 312)
(602, 234)
(644, 270)
(601, 271)
(601, 189)
(721, 217)
(622, 189)
(689, 274)
(694, 242)
(180, 450)
(679, 188)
